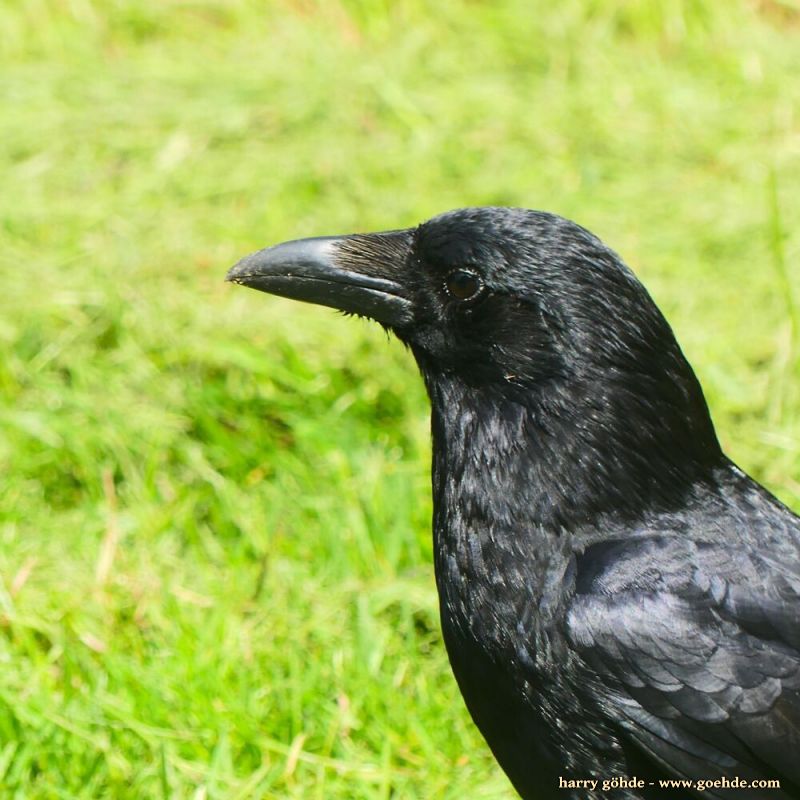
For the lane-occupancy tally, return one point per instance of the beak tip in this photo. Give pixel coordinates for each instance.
(239, 271)
(280, 257)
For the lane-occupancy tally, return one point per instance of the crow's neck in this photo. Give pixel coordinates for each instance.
(564, 459)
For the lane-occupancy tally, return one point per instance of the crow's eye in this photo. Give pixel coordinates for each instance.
(463, 285)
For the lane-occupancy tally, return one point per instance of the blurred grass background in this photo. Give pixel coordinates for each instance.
(215, 576)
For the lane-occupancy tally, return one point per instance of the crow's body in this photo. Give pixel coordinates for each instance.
(607, 649)
(617, 598)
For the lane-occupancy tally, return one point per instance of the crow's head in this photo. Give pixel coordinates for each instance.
(493, 295)
(523, 304)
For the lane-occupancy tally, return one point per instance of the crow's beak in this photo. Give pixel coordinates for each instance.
(359, 274)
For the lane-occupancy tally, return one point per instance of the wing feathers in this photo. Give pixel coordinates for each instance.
(700, 668)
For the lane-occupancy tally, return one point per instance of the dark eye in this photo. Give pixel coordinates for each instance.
(463, 285)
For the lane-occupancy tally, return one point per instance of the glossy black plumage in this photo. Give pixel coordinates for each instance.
(617, 598)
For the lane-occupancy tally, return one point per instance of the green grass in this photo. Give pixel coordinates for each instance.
(215, 576)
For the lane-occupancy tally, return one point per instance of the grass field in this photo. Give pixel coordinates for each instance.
(215, 557)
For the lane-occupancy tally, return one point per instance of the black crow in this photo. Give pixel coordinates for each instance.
(619, 601)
